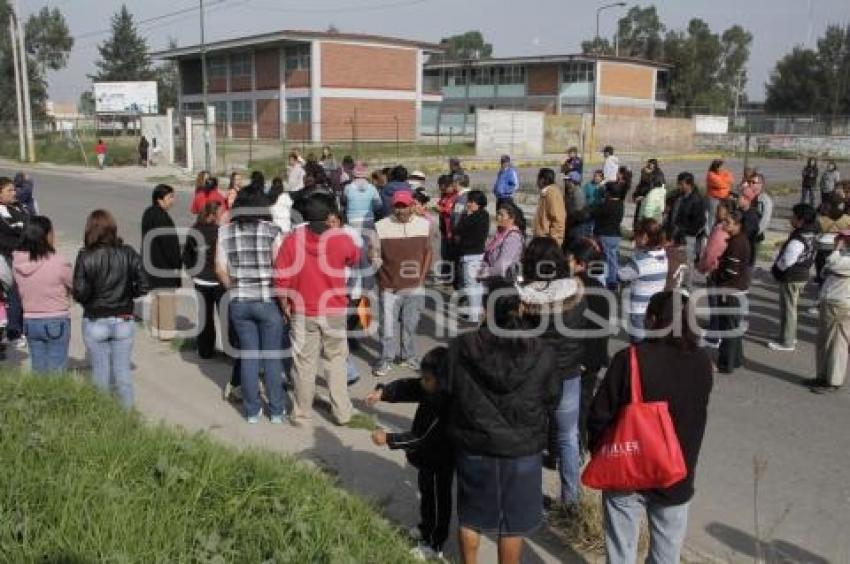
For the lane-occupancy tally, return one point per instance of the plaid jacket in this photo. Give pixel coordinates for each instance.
(248, 252)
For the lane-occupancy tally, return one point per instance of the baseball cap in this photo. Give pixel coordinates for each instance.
(402, 198)
(416, 175)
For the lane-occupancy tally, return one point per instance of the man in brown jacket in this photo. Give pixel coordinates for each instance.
(551, 217)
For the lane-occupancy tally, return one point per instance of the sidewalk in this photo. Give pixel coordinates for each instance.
(129, 175)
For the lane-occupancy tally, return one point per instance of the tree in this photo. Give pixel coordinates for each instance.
(47, 43)
(168, 81)
(597, 45)
(124, 56)
(640, 34)
(469, 45)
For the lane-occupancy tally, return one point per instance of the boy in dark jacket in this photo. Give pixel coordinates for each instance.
(426, 447)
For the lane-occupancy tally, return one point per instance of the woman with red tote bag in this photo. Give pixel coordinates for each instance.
(673, 370)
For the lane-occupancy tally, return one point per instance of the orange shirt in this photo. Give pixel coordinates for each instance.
(719, 184)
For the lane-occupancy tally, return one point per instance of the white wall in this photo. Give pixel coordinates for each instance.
(516, 133)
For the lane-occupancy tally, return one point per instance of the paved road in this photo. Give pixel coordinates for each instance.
(761, 413)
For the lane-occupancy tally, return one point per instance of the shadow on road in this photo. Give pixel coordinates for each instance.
(764, 551)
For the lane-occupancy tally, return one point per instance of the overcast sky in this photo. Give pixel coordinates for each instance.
(528, 27)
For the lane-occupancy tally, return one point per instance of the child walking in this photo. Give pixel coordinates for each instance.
(427, 448)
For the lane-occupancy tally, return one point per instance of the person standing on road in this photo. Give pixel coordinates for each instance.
(206, 194)
(43, 278)
(833, 341)
(718, 186)
(686, 222)
(828, 180)
(402, 257)
(361, 200)
(573, 164)
(397, 183)
(578, 211)
(674, 370)
(245, 255)
(732, 279)
(144, 147)
(503, 251)
(100, 153)
(709, 261)
(162, 259)
(445, 205)
(501, 384)
(832, 219)
(810, 179)
(108, 276)
(551, 217)
(25, 193)
(199, 258)
(646, 274)
(507, 181)
(608, 218)
(792, 268)
(310, 278)
(470, 239)
(13, 219)
(610, 165)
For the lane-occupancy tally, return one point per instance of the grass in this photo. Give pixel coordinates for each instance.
(363, 421)
(85, 481)
(121, 151)
(582, 528)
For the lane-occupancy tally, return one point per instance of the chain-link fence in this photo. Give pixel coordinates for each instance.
(766, 124)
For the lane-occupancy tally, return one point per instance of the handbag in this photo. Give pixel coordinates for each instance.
(640, 450)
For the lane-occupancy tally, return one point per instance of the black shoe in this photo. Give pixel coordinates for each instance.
(816, 384)
(550, 462)
(824, 389)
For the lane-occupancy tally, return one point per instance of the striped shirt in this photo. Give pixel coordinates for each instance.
(646, 272)
(248, 251)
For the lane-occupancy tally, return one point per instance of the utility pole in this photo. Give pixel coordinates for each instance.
(204, 80)
(25, 80)
(13, 37)
(599, 11)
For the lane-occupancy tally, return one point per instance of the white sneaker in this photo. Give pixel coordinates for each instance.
(780, 347)
(414, 533)
(423, 553)
(20, 343)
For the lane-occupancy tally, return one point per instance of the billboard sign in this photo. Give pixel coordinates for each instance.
(125, 98)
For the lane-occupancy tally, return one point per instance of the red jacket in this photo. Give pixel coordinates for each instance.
(445, 205)
(311, 268)
(203, 197)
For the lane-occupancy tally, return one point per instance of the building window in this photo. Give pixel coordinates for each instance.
(482, 76)
(578, 72)
(220, 111)
(455, 77)
(512, 74)
(216, 67)
(241, 111)
(297, 57)
(240, 64)
(298, 110)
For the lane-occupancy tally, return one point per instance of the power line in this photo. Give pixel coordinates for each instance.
(338, 9)
(153, 19)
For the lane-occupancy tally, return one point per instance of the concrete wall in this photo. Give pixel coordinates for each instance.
(375, 119)
(159, 128)
(561, 132)
(799, 145)
(626, 134)
(506, 132)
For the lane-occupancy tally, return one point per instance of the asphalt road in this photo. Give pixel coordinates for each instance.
(762, 415)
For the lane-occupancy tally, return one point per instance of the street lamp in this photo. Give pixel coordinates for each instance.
(599, 11)
(204, 91)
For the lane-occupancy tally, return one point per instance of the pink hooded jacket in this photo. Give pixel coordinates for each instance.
(44, 285)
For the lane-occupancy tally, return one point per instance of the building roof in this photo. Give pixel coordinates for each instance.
(542, 59)
(293, 36)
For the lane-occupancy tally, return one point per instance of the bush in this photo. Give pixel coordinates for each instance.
(84, 481)
(53, 148)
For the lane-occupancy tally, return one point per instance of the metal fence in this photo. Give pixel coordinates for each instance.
(814, 125)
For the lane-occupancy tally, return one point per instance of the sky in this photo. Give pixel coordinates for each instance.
(530, 27)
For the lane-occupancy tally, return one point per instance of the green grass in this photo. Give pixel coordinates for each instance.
(363, 421)
(121, 151)
(84, 481)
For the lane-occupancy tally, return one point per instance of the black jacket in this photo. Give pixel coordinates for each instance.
(596, 348)
(683, 378)
(801, 270)
(426, 444)
(608, 217)
(164, 247)
(687, 215)
(750, 228)
(500, 394)
(471, 233)
(13, 218)
(732, 270)
(193, 254)
(107, 279)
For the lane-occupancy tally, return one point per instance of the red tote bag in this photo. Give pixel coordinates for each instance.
(640, 451)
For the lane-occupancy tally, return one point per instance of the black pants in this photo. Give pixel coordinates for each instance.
(211, 295)
(435, 507)
(731, 354)
(14, 313)
(233, 338)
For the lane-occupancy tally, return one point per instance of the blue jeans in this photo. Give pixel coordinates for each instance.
(109, 342)
(623, 514)
(14, 313)
(48, 340)
(566, 417)
(611, 248)
(259, 327)
(637, 329)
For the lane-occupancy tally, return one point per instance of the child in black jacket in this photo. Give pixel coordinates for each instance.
(470, 238)
(426, 446)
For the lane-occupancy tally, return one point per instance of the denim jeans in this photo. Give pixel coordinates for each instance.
(210, 296)
(611, 248)
(636, 329)
(566, 416)
(48, 340)
(259, 326)
(109, 342)
(471, 266)
(623, 514)
(14, 313)
(408, 306)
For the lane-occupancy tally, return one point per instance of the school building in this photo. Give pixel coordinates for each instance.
(554, 84)
(304, 85)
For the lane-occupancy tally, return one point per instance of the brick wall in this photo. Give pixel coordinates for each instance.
(626, 80)
(375, 119)
(542, 80)
(267, 67)
(241, 130)
(360, 66)
(298, 131)
(268, 119)
(217, 84)
(241, 83)
(626, 111)
(299, 78)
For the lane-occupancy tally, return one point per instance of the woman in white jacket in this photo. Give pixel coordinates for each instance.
(295, 178)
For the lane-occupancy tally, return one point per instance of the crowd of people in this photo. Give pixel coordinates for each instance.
(293, 272)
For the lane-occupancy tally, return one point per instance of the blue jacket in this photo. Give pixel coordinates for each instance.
(593, 195)
(387, 195)
(507, 182)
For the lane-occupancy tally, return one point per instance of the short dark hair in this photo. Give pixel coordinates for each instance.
(250, 206)
(258, 180)
(543, 261)
(445, 180)
(421, 196)
(736, 215)
(585, 251)
(546, 175)
(652, 229)
(34, 238)
(715, 165)
(433, 360)
(398, 174)
(609, 149)
(316, 208)
(805, 213)
(160, 191)
(685, 178)
(462, 179)
(478, 197)
(348, 161)
(661, 314)
(5, 181)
